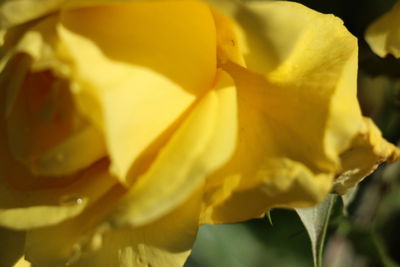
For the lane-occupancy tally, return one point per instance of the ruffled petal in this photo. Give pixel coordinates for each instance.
(38, 40)
(275, 156)
(204, 141)
(284, 183)
(367, 151)
(13, 13)
(135, 82)
(268, 36)
(297, 117)
(383, 35)
(165, 242)
(309, 64)
(294, 120)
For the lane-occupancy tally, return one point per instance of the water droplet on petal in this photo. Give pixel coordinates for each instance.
(67, 200)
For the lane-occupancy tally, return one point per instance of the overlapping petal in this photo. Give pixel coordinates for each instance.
(36, 39)
(296, 118)
(24, 197)
(233, 95)
(367, 151)
(44, 105)
(60, 243)
(123, 77)
(59, 200)
(204, 141)
(165, 242)
(21, 11)
(37, 101)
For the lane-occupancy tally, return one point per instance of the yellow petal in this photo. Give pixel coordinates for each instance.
(46, 133)
(275, 156)
(367, 151)
(268, 36)
(315, 59)
(12, 246)
(38, 41)
(295, 120)
(292, 119)
(32, 208)
(228, 43)
(16, 12)
(283, 183)
(58, 244)
(22, 263)
(383, 35)
(203, 142)
(25, 198)
(135, 82)
(165, 242)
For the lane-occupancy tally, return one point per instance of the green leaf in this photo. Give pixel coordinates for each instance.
(253, 243)
(316, 220)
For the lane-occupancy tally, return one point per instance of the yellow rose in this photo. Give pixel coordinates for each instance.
(383, 35)
(126, 125)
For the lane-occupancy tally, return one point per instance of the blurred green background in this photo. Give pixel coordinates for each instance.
(369, 235)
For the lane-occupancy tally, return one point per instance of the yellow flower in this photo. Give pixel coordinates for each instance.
(126, 125)
(383, 35)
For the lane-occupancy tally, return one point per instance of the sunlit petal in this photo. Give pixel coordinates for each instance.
(124, 77)
(204, 142)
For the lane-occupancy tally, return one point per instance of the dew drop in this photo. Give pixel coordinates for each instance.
(67, 200)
